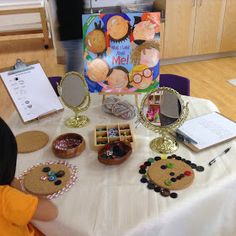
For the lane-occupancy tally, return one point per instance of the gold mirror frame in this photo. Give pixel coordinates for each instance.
(76, 121)
(166, 143)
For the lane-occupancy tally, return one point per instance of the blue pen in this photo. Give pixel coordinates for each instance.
(221, 154)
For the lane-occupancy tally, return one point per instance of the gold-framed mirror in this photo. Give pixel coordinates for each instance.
(163, 110)
(74, 93)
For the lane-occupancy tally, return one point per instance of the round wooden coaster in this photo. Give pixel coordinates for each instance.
(171, 174)
(31, 141)
(44, 179)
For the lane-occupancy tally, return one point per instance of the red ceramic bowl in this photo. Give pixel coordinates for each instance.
(68, 145)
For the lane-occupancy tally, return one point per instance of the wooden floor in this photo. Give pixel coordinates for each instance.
(208, 78)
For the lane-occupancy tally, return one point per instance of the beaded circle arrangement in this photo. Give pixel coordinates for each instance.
(49, 179)
(164, 175)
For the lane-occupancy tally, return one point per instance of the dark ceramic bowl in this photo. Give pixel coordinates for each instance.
(114, 153)
(68, 145)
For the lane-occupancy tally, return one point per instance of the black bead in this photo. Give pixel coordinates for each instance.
(157, 189)
(151, 186)
(60, 173)
(163, 167)
(172, 174)
(173, 195)
(173, 179)
(193, 166)
(169, 157)
(200, 168)
(142, 171)
(157, 158)
(188, 162)
(58, 182)
(165, 192)
(147, 163)
(178, 158)
(143, 180)
(46, 169)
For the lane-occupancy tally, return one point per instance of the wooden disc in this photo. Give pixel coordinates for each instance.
(36, 180)
(166, 174)
(31, 141)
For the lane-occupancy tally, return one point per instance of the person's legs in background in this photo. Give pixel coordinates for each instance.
(74, 55)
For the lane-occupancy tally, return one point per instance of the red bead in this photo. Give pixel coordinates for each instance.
(187, 173)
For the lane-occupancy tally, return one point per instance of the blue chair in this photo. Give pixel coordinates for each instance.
(177, 82)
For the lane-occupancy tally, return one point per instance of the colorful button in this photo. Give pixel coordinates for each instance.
(170, 165)
(187, 173)
(52, 178)
(151, 160)
(168, 182)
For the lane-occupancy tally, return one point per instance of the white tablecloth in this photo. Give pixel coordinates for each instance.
(111, 200)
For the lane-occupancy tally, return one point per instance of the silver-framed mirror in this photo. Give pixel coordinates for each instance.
(74, 93)
(163, 110)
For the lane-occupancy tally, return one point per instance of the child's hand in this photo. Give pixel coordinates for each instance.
(16, 184)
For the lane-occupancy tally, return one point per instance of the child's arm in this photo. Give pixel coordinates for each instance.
(45, 210)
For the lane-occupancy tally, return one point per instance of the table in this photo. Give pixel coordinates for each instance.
(111, 201)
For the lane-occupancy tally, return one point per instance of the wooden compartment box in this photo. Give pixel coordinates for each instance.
(104, 134)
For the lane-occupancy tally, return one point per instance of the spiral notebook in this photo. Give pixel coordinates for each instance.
(207, 130)
(31, 91)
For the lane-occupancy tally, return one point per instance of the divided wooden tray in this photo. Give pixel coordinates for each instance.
(104, 134)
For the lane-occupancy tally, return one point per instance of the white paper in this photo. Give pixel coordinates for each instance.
(209, 129)
(31, 92)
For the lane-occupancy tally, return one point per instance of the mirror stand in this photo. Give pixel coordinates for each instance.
(164, 144)
(77, 121)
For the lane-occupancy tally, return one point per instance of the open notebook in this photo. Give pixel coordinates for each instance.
(207, 130)
(31, 92)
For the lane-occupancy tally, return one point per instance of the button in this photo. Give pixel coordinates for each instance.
(170, 165)
(143, 167)
(173, 195)
(188, 162)
(187, 173)
(51, 173)
(169, 157)
(147, 163)
(46, 169)
(151, 186)
(143, 180)
(172, 174)
(163, 167)
(200, 168)
(157, 189)
(165, 192)
(178, 158)
(151, 160)
(194, 166)
(142, 171)
(168, 182)
(58, 182)
(52, 178)
(60, 173)
(157, 158)
(173, 179)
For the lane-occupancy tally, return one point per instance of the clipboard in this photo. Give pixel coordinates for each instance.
(206, 131)
(30, 90)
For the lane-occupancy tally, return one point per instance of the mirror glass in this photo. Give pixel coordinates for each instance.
(73, 90)
(162, 108)
(74, 93)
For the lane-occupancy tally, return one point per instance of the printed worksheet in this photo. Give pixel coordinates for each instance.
(31, 92)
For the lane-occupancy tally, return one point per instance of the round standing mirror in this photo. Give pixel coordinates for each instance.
(75, 95)
(163, 110)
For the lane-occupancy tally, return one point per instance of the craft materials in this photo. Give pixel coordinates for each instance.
(68, 145)
(104, 134)
(49, 179)
(115, 153)
(220, 155)
(173, 173)
(123, 109)
(31, 141)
